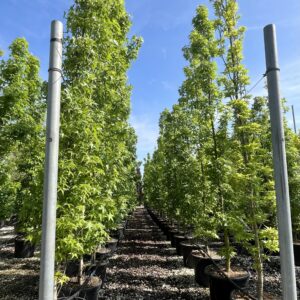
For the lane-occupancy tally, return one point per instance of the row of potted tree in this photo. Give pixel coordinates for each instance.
(97, 159)
(212, 169)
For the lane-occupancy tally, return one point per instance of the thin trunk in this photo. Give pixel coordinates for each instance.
(206, 246)
(259, 266)
(227, 255)
(80, 271)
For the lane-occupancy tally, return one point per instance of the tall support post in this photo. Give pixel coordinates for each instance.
(294, 120)
(47, 284)
(280, 167)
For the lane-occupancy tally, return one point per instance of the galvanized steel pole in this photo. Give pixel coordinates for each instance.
(280, 167)
(47, 284)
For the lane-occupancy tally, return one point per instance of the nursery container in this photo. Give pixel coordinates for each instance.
(23, 248)
(201, 261)
(221, 286)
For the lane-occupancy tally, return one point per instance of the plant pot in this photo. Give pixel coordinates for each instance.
(88, 291)
(112, 244)
(297, 253)
(178, 240)
(187, 247)
(72, 268)
(117, 233)
(2, 223)
(168, 231)
(163, 225)
(23, 248)
(201, 261)
(99, 270)
(221, 287)
(121, 232)
(103, 254)
(173, 233)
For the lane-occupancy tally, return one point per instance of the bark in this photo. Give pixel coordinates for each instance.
(259, 266)
(80, 271)
(227, 245)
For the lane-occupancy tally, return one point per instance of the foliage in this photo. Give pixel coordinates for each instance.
(21, 134)
(97, 157)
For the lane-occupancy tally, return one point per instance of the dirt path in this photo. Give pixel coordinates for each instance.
(146, 267)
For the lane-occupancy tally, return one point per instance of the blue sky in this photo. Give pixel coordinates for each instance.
(165, 26)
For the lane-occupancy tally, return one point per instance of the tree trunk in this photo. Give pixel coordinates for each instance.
(80, 271)
(227, 255)
(259, 266)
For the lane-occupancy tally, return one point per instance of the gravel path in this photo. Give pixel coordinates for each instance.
(146, 267)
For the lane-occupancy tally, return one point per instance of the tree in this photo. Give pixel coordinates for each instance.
(97, 157)
(201, 94)
(252, 178)
(21, 135)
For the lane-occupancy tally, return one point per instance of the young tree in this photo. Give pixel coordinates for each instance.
(201, 94)
(252, 178)
(97, 157)
(21, 135)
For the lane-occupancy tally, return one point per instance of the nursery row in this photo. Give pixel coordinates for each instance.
(212, 171)
(98, 177)
(208, 263)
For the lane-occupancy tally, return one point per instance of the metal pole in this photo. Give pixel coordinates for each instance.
(280, 167)
(47, 284)
(294, 120)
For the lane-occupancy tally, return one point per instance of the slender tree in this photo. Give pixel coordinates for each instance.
(97, 157)
(21, 135)
(252, 180)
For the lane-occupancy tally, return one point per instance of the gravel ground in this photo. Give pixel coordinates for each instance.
(144, 267)
(18, 277)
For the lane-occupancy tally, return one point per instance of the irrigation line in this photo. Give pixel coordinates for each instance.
(255, 85)
(222, 273)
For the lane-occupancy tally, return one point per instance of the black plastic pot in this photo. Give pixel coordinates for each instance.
(164, 225)
(200, 263)
(118, 233)
(173, 233)
(297, 253)
(23, 248)
(99, 270)
(72, 268)
(112, 244)
(103, 254)
(178, 240)
(168, 231)
(221, 287)
(83, 292)
(187, 247)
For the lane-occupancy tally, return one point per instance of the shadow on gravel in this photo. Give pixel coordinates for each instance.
(136, 262)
